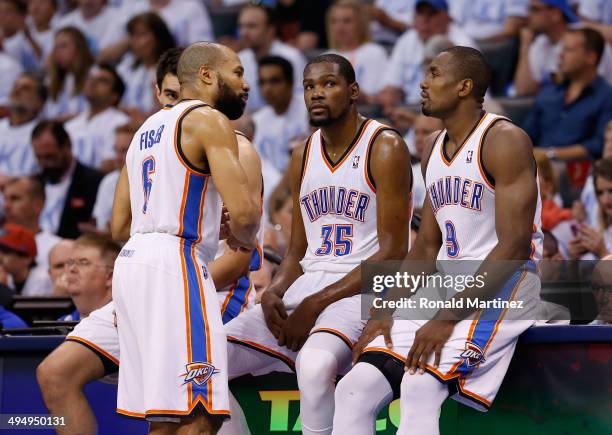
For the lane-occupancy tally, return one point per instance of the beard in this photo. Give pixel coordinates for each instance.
(229, 102)
(329, 119)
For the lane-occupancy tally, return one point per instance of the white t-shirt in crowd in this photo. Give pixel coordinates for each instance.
(405, 69)
(104, 29)
(20, 49)
(139, 82)
(66, 104)
(589, 200)
(93, 138)
(400, 10)
(55, 198)
(16, 153)
(10, 70)
(44, 39)
(278, 48)
(481, 19)
(368, 60)
(45, 241)
(273, 132)
(103, 207)
(596, 10)
(38, 283)
(544, 56)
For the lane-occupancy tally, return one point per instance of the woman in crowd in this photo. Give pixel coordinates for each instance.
(68, 68)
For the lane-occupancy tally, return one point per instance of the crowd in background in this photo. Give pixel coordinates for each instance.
(78, 78)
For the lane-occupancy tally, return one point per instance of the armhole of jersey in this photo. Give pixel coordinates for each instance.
(239, 133)
(305, 157)
(487, 176)
(368, 172)
(179, 149)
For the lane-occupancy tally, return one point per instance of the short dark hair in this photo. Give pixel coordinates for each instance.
(21, 6)
(593, 41)
(603, 168)
(469, 63)
(41, 89)
(36, 188)
(168, 64)
(271, 17)
(157, 26)
(280, 62)
(346, 69)
(118, 83)
(56, 129)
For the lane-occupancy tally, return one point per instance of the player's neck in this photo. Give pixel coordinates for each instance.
(339, 135)
(461, 123)
(192, 93)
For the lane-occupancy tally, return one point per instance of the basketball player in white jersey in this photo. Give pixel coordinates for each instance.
(483, 205)
(181, 164)
(91, 351)
(351, 200)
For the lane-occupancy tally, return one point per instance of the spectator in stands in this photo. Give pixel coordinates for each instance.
(588, 205)
(90, 274)
(283, 118)
(25, 104)
(24, 199)
(590, 242)
(10, 70)
(58, 256)
(167, 86)
(552, 213)
(405, 72)
(597, 14)
(69, 65)
(601, 284)
(15, 41)
(258, 36)
(490, 20)
(17, 261)
(280, 212)
(104, 199)
(10, 320)
(100, 22)
(70, 187)
(301, 23)
(569, 119)
(390, 18)
(92, 132)
(348, 32)
(39, 27)
(424, 126)
(149, 39)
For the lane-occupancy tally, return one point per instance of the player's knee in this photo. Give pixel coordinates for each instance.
(352, 390)
(413, 387)
(315, 367)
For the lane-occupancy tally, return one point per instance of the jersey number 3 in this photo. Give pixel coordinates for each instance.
(148, 167)
(337, 239)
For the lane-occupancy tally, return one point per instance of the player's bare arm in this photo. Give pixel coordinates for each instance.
(390, 165)
(209, 129)
(290, 269)
(121, 217)
(232, 265)
(508, 157)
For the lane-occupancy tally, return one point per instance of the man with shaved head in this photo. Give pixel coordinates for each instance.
(181, 165)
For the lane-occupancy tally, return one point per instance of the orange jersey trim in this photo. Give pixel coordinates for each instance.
(339, 334)
(264, 349)
(347, 152)
(458, 150)
(98, 348)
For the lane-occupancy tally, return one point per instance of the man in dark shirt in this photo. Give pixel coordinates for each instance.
(569, 119)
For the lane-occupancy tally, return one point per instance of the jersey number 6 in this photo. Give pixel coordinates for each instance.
(148, 167)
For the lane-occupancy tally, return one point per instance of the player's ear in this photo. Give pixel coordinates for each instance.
(206, 75)
(466, 87)
(354, 91)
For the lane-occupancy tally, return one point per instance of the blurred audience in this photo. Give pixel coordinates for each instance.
(149, 38)
(348, 30)
(597, 14)
(601, 285)
(569, 119)
(490, 20)
(58, 256)
(90, 274)
(18, 261)
(42, 17)
(10, 70)
(25, 104)
(15, 38)
(258, 38)
(70, 186)
(390, 18)
(167, 86)
(10, 320)
(280, 211)
(424, 126)
(92, 132)
(68, 67)
(301, 23)
(588, 205)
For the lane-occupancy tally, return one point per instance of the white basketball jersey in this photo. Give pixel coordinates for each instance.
(462, 198)
(167, 193)
(338, 203)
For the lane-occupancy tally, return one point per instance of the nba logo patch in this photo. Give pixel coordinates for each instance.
(355, 162)
(199, 372)
(472, 354)
(468, 159)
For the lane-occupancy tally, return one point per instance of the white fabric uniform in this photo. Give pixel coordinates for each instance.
(16, 153)
(338, 208)
(368, 60)
(171, 337)
(475, 358)
(93, 138)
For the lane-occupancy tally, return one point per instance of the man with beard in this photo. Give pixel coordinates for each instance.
(70, 186)
(351, 190)
(91, 351)
(182, 163)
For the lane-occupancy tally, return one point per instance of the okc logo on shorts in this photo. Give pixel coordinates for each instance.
(472, 354)
(199, 372)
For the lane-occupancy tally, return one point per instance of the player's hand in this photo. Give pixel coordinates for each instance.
(274, 312)
(298, 325)
(431, 337)
(373, 329)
